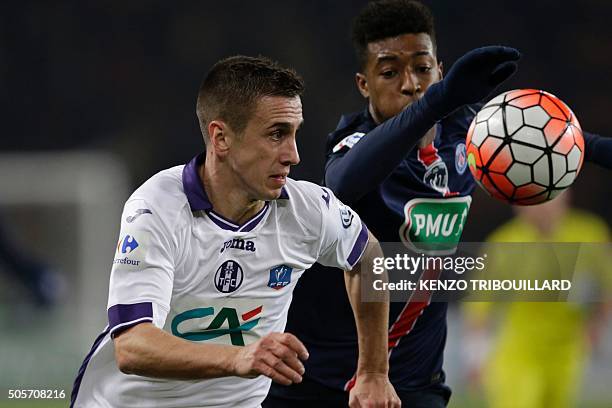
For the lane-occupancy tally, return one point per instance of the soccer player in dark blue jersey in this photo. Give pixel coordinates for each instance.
(404, 153)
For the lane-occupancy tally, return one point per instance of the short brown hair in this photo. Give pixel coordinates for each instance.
(233, 85)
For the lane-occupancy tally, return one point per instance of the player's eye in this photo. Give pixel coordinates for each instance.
(276, 135)
(423, 69)
(388, 74)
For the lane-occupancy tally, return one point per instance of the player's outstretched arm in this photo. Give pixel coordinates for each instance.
(372, 387)
(598, 149)
(149, 351)
(471, 78)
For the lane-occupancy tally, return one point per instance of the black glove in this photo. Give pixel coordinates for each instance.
(471, 78)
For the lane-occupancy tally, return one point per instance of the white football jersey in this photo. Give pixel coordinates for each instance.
(203, 278)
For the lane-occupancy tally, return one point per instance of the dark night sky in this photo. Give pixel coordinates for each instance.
(122, 76)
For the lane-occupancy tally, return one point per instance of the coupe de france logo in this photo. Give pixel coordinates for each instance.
(280, 276)
(228, 277)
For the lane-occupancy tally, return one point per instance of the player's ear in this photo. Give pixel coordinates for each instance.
(441, 70)
(362, 84)
(219, 135)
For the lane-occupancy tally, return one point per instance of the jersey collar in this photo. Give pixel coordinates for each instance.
(194, 188)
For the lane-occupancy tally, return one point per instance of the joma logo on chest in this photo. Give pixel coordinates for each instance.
(238, 243)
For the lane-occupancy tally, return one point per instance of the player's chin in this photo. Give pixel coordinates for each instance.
(272, 190)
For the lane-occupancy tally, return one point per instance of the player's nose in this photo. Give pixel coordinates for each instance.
(290, 155)
(410, 84)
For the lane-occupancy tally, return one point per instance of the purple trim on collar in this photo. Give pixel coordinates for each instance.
(194, 190)
(283, 195)
(221, 221)
(192, 185)
(252, 223)
(226, 224)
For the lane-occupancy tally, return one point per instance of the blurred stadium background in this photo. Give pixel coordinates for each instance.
(98, 96)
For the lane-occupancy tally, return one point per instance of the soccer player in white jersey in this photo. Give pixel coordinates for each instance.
(209, 254)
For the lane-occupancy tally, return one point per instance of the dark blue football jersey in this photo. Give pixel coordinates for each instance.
(423, 185)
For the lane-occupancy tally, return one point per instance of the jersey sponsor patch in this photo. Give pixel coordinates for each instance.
(348, 141)
(131, 250)
(209, 323)
(460, 158)
(228, 277)
(127, 244)
(434, 226)
(346, 216)
(238, 243)
(280, 276)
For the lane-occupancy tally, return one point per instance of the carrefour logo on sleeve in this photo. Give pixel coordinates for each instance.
(127, 244)
(131, 251)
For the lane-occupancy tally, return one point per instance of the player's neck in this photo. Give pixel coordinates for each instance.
(227, 200)
(377, 119)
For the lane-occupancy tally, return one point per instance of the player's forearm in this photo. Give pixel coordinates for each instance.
(380, 151)
(149, 351)
(598, 149)
(371, 318)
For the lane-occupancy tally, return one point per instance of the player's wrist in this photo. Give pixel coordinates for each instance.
(234, 361)
(373, 369)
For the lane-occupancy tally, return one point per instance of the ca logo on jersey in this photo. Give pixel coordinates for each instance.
(434, 226)
(228, 277)
(225, 322)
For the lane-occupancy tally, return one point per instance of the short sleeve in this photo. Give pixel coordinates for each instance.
(142, 274)
(344, 236)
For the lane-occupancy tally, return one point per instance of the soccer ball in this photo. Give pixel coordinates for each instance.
(525, 147)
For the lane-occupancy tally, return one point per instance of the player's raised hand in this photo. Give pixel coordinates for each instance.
(276, 355)
(472, 77)
(373, 391)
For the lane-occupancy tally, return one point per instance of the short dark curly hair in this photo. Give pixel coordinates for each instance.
(233, 85)
(389, 18)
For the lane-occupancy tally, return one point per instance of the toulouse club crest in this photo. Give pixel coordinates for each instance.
(228, 277)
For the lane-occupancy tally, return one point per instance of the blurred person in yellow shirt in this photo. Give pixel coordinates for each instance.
(537, 355)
